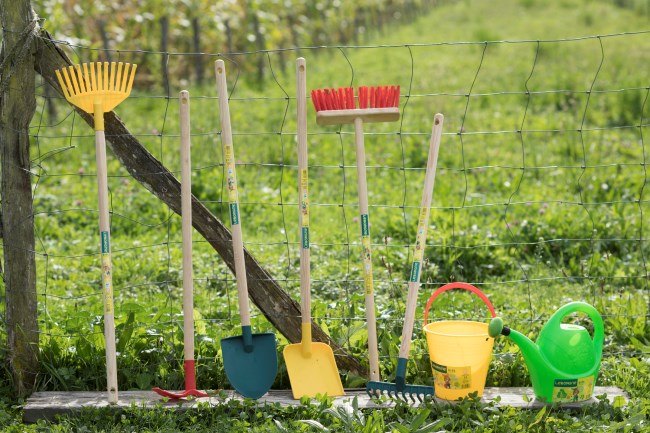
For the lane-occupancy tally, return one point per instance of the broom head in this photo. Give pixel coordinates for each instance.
(86, 84)
(339, 106)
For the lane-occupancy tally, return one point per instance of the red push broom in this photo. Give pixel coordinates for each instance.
(337, 107)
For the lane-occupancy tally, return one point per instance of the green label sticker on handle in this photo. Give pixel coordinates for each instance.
(415, 272)
(234, 213)
(365, 229)
(305, 238)
(106, 248)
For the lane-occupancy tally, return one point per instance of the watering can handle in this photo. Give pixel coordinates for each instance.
(457, 285)
(594, 315)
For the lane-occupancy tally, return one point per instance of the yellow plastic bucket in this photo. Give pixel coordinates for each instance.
(460, 351)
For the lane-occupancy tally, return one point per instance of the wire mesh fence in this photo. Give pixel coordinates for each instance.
(540, 198)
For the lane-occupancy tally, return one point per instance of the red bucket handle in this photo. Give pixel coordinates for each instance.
(458, 286)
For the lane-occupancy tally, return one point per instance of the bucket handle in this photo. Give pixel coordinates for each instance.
(457, 285)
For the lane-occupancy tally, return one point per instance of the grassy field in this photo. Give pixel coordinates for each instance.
(539, 200)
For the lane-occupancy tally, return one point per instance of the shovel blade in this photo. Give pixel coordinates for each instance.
(251, 373)
(314, 374)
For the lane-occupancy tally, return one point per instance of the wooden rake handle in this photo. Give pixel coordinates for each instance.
(421, 237)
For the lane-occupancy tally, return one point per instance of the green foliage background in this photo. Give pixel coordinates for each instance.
(539, 200)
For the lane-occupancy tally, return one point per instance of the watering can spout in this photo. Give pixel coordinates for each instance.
(533, 357)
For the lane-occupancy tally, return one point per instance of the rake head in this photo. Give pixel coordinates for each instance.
(87, 84)
(408, 393)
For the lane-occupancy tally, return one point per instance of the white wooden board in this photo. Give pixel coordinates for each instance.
(48, 404)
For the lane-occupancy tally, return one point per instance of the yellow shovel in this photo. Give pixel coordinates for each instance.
(311, 365)
(97, 88)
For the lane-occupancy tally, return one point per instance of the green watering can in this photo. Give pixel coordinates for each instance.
(564, 362)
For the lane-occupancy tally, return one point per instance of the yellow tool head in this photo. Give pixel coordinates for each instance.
(86, 84)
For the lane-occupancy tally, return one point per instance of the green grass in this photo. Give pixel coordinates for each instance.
(566, 227)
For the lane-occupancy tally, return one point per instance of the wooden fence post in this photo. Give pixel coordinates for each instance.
(17, 106)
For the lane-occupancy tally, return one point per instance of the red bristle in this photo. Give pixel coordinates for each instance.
(380, 99)
(326, 99)
(341, 98)
(331, 101)
(396, 102)
(351, 103)
(387, 97)
(315, 100)
(363, 97)
(372, 92)
(322, 99)
(346, 97)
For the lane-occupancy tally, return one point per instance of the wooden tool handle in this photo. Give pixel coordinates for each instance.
(421, 237)
(371, 320)
(186, 226)
(107, 266)
(303, 191)
(233, 196)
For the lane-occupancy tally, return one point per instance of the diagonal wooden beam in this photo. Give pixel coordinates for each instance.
(278, 307)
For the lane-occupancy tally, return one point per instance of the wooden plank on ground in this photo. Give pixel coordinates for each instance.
(48, 404)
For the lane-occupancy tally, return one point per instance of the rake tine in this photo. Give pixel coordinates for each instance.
(106, 82)
(111, 81)
(86, 78)
(118, 78)
(64, 88)
(68, 83)
(80, 78)
(75, 81)
(93, 79)
(130, 84)
(99, 86)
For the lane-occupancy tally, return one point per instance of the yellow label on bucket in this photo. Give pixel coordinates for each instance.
(451, 377)
(566, 390)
